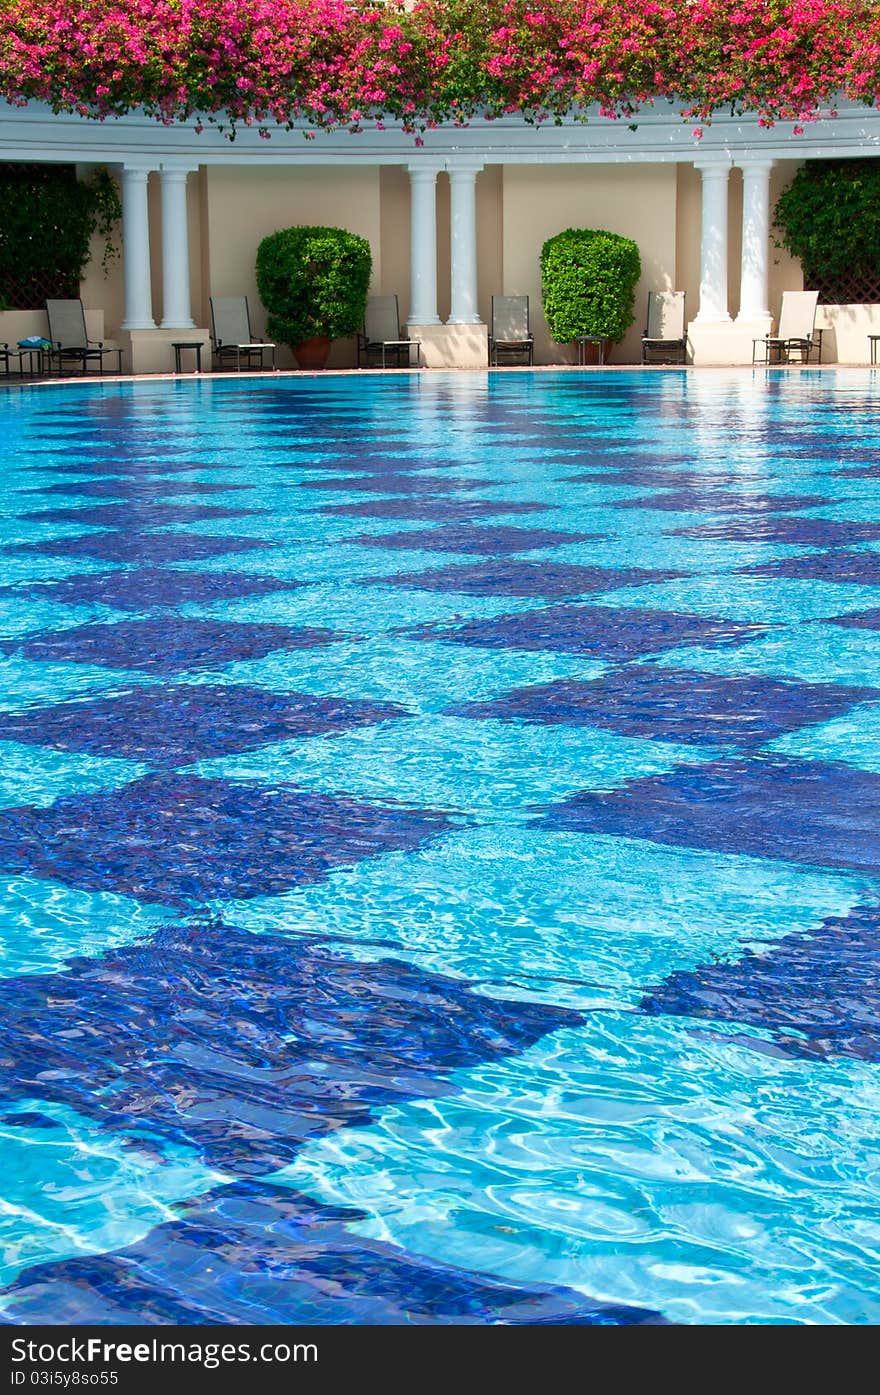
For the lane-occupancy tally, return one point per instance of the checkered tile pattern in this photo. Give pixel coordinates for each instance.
(244, 742)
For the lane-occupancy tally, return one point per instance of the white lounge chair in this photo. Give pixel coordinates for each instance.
(231, 334)
(664, 339)
(381, 336)
(796, 332)
(510, 335)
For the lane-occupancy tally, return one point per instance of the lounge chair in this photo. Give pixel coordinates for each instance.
(796, 332)
(381, 335)
(510, 335)
(70, 340)
(231, 335)
(664, 339)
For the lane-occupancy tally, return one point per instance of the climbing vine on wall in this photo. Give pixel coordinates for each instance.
(829, 218)
(46, 227)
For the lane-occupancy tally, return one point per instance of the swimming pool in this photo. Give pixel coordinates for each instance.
(438, 827)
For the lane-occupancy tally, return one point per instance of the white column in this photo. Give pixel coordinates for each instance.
(713, 244)
(177, 313)
(753, 299)
(463, 211)
(423, 245)
(136, 249)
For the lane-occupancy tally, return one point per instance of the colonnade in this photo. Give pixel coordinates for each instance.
(176, 300)
(713, 304)
(755, 265)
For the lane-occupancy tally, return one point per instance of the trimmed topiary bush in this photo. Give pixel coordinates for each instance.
(313, 282)
(589, 284)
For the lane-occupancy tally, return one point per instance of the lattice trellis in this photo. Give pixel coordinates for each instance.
(28, 275)
(857, 287)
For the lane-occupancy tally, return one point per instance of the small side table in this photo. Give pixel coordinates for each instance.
(873, 340)
(195, 344)
(585, 339)
(34, 355)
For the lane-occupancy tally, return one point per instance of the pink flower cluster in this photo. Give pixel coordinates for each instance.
(331, 63)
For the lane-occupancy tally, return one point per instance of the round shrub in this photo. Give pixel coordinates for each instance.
(313, 282)
(589, 284)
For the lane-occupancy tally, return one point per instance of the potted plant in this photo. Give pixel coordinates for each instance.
(314, 282)
(589, 283)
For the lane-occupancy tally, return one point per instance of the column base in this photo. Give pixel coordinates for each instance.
(725, 342)
(452, 346)
(184, 328)
(150, 351)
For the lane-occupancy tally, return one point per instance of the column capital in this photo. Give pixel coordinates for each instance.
(424, 171)
(760, 165)
(137, 169)
(713, 169)
(177, 172)
(464, 166)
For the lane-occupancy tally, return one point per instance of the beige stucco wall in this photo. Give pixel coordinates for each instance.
(245, 203)
(636, 201)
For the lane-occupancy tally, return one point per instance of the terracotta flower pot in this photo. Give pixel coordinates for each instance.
(312, 353)
(589, 353)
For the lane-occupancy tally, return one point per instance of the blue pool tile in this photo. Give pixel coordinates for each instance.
(430, 510)
(148, 487)
(172, 644)
(367, 463)
(135, 514)
(606, 632)
(180, 840)
(148, 588)
(44, 923)
(861, 620)
(396, 484)
(807, 532)
(818, 652)
(257, 1252)
(424, 676)
(680, 705)
(859, 568)
(480, 538)
(853, 737)
(26, 682)
(144, 548)
(246, 1046)
(483, 769)
(698, 499)
(40, 777)
(113, 463)
(561, 918)
(766, 806)
(817, 994)
(750, 596)
(181, 724)
(663, 477)
(513, 577)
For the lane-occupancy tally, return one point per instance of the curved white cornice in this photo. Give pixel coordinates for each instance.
(657, 134)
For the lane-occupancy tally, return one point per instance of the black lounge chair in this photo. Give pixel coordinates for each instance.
(70, 341)
(231, 335)
(381, 338)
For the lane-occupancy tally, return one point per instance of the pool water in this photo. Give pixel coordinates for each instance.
(438, 839)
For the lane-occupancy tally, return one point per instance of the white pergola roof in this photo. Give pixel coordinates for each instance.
(657, 134)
